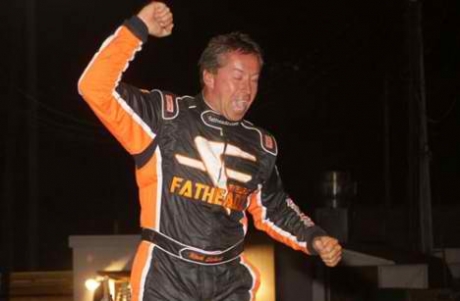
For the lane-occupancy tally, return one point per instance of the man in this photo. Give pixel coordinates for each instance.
(199, 167)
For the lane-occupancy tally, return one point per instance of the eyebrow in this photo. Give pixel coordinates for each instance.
(242, 71)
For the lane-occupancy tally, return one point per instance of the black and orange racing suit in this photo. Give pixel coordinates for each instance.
(198, 173)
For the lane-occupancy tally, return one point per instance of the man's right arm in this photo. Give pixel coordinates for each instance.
(130, 114)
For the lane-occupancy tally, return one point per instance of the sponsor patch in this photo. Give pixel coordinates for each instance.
(170, 109)
(269, 143)
(169, 104)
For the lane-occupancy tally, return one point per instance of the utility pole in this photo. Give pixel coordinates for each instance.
(386, 158)
(419, 153)
(8, 192)
(386, 143)
(32, 129)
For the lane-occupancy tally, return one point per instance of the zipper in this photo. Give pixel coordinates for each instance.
(222, 166)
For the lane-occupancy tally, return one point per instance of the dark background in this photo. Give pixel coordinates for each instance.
(330, 68)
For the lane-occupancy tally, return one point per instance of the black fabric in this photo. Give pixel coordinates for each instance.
(138, 27)
(144, 157)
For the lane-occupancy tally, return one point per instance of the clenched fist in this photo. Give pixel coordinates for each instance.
(328, 249)
(158, 18)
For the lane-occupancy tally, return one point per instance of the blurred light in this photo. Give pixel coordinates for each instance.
(119, 264)
(262, 257)
(112, 287)
(92, 284)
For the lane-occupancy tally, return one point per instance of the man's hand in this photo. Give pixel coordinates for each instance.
(328, 249)
(158, 19)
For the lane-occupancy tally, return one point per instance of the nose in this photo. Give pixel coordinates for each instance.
(246, 86)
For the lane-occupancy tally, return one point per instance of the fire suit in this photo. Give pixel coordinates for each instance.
(198, 174)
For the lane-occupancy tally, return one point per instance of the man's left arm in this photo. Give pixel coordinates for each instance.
(275, 213)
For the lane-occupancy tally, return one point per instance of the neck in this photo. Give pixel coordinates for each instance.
(208, 102)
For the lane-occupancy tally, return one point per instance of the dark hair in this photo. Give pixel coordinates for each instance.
(218, 46)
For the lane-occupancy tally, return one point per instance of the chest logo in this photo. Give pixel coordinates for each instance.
(212, 161)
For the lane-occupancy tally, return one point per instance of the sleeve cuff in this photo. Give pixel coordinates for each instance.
(314, 233)
(137, 27)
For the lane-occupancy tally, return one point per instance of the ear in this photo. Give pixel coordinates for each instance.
(208, 79)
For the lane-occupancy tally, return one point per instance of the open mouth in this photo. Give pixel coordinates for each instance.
(240, 105)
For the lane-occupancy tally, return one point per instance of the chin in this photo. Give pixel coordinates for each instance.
(235, 118)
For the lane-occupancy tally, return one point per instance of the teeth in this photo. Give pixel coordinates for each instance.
(241, 105)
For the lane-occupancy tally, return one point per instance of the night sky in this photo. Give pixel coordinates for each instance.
(330, 68)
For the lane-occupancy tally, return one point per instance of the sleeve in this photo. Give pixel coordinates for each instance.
(132, 115)
(275, 213)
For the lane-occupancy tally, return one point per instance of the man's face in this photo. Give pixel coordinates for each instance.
(232, 89)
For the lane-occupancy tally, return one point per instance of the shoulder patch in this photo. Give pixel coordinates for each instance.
(269, 143)
(170, 106)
